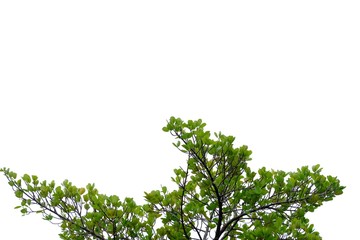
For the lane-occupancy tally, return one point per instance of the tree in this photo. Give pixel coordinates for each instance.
(216, 196)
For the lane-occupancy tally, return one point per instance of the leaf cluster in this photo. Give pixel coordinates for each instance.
(82, 213)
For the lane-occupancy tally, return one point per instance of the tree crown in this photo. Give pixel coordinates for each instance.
(217, 196)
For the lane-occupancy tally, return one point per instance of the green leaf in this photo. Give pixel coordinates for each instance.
(338, 192)
(18, 193)
(34, 178)
(13, 175)
(86, 197)
(26, 178)
(48, 217)
(86, 206)
(81, 191)
(316, 167)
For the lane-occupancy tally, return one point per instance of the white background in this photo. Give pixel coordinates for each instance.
(86, 86)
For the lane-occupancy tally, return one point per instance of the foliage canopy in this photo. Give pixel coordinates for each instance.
(217, 196)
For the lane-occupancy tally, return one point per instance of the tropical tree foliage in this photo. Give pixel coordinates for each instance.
(216, 196)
